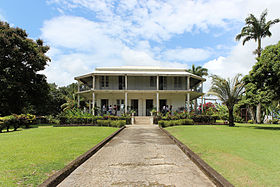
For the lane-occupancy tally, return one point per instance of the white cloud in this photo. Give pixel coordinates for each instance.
(120, 34)
(186, 55)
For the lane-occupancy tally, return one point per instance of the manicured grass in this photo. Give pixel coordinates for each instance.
(28, 157)
(246, 155)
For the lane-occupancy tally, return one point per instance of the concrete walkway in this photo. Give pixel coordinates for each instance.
(141, 155)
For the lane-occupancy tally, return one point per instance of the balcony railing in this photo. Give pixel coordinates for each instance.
(84, 87)
(139, 83)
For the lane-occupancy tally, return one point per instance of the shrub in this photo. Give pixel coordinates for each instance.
(165, 123)
(205, 119)
(103, 123)
(118, 123)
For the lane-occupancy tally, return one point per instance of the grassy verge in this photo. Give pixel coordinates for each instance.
(246, 155)
(29, 156)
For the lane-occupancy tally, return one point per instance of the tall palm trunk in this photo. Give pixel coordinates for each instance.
(230, 117)
(252, 113)
(258, 115)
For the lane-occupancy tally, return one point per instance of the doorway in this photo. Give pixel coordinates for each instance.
(149, 106)
(134, 106)
(162, 102)
(104, 102)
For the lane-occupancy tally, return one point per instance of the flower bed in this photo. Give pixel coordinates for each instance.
(16, 121)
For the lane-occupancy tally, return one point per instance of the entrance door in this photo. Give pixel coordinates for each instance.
(134, 106)
(149, 106)
(104, 102)
(162, 102)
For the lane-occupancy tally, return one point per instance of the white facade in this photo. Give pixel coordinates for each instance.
(140, 88)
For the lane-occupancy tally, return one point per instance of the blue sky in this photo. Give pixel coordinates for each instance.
(84, 34)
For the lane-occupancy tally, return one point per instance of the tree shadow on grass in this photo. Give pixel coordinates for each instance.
(24, 128)
(261, 127)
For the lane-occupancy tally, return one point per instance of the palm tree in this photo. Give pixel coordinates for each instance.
(256, 29)
(228, 91)
(200, 71)
(70, 103)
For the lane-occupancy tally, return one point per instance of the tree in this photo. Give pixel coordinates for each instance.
(198, 71)
(256, 29)
(263, 80)
(55, 99)
(22, 88)
(228, 91)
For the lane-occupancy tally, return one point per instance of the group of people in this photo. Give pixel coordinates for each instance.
(112, 110)
(166, 109)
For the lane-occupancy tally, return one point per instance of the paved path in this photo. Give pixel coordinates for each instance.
(141, 155)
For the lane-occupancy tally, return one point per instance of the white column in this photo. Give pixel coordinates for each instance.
(125, 102)
(93, 103)
(157, 82)
(188, 102)
(78, 94)
(89, 106)
(188, 82)
(157, 101)
(202, 102)
(125, 82)
(93, 82)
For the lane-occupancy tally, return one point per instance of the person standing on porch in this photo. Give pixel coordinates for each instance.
(104, 109)
(110, 109)
(115, 110)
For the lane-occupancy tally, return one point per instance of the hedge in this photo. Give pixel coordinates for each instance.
(165, 123)
(206, 119)
(64, 120)
(111, 123)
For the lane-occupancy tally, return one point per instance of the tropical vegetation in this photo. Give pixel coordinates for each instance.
(256, 29)
(228, 91)
(22, 87)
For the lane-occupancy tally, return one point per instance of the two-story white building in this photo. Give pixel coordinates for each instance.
(139, 88)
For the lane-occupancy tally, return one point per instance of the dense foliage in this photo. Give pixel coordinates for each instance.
(22, 88)
(262, 83)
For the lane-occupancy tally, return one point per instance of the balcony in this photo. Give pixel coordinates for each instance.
(141, 83)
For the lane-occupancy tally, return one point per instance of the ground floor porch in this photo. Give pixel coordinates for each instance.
(141, 103)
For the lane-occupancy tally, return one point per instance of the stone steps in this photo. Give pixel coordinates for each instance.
(142, 120)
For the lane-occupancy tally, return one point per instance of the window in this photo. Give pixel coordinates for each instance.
(120, 102)
(162, 83)
(177, 82)
(104, 81)
(121, 82)
(152, 81)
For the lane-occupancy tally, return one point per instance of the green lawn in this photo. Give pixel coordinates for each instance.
(29, 156)
(246, 155)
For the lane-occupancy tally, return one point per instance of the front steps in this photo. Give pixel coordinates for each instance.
(143, 120)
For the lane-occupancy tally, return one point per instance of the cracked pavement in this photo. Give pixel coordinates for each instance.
(141, 155)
